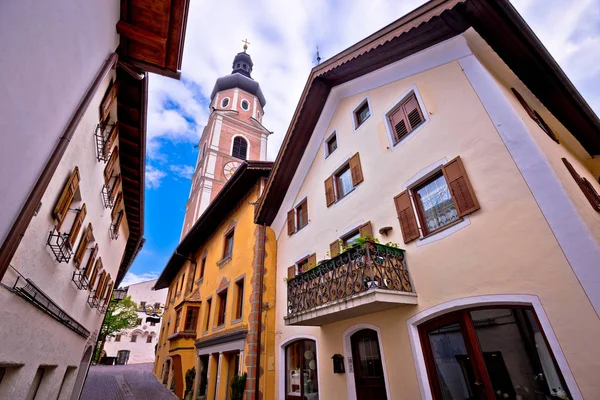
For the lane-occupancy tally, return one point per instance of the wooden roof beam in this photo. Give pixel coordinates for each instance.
(140, 35)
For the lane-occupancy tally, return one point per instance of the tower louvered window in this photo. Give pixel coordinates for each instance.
(240, 148)
(406, 118)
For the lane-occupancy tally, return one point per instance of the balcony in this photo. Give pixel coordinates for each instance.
(360, 281)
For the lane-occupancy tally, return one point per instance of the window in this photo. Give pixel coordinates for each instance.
(499, 352)
(207, 313)
(330, 144)
(406, 117)
(191, 319)
(177, 321)
(302, 266)
(361, 114)
(225, 102)
(152, 323)
(347, 240)
(35, 385)
(239, 299)
(202, 266)
(182, 282)
(301, 378)
(139, 321)
(535, 116)
(222, 298)
(440, 200)
(142, 305)
(350, 238)
(149, 339)
(240, 148)
(134, 338)
(245, 105)
(118, 337)
(228, 245)
(343, 180)
(297, 218)
(157, 307)
(585, 186)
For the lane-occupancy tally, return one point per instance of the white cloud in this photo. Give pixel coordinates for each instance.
(153, 177)
(183, 171)
(131, 278)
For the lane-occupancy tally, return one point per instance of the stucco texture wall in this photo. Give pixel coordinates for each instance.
(507, 247)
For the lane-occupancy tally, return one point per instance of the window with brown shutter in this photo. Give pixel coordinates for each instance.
(115, 188)
(534, 115)
(100, 286)
(89, 266)
(97, 267)
(585, 186)
(76, 227)
(312, 261)
(109, 292)
(301, 214)
(83, 244)
(334, 248)
(407, 217)
(361, 114)
(329, 191)
(460, 187)
(109, 169)
(291, 272)
(108, 100)
(366, 230)
(110, 140)
(66, 197)
(356, 169)
(406, 117)
(291, 225)
(117, 225)
(117, 206)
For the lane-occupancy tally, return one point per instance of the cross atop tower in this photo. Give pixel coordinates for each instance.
(246, 43)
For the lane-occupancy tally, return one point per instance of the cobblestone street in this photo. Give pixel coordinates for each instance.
(124, 382)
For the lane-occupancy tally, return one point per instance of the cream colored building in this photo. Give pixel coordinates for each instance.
(457, 157)
(138, 345)
(72, 151)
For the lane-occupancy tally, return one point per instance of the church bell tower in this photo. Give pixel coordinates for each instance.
(233, 133)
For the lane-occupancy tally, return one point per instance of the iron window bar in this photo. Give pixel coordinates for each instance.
(80, 280)
(102, 133)
(92, 300)
(29, 291)
(106, 196)
(114, 229)
(58, 243)
(102, 306)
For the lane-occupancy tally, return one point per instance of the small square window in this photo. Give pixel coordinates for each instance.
(117, 338)
(435, 204)
(331, 144)
(302, 215)
(134, 338)
(343, 180)
(139, 321)
(149, 339)
(302, 265)
(362, 113)
(406, 117)
(239, 303)
(350, 238)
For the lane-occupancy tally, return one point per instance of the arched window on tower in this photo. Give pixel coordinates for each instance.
(240, 148)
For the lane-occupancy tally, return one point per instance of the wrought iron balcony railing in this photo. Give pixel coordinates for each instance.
(357, 270)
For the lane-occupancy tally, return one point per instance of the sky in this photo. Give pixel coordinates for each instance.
(283, 37)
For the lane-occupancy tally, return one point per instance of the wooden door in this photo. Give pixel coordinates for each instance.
(368, 366)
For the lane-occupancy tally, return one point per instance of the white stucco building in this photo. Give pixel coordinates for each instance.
(74, 80)
(137, 345)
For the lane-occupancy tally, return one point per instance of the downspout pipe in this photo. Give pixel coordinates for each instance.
(260, 311)
(17, 231)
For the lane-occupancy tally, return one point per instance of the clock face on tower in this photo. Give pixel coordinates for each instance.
(230, 168)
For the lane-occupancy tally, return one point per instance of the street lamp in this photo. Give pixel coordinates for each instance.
(119, 294)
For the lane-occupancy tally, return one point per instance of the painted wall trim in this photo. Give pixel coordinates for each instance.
(573, 236)
(413, 323)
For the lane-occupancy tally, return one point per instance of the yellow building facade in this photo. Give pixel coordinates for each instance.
(217, 319)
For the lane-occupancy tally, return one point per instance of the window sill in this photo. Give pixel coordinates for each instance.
(407, 137)
(341, 200)
(199, 281)
(357, 126)
(444, 232)
(223, 261)
(218, 328)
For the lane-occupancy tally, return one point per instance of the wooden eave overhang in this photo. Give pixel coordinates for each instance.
(496, 21)
(152, 34)
(132, 105)
(242, 181)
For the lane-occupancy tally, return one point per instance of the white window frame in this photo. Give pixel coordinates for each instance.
(388, 125)
(364, 100)
(242, 104)
(223, 99)
(231, 146)
(326, 142)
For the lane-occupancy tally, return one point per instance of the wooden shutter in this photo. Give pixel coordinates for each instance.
(406, 216)
(406, 117)
(542, 124)
(83, 244)
(291, 222)
(366, 230)
(413, 112)
(304, 211)
(291, 272)
(109, 292)
(117, 206)
(329, 191)
(584, 185)
(104, 286)
(334, 248)
(66, 197)
(117, 224)
(110, 140)
(460, 187)
(77, 226)
(100, 287)
(399, 123)
(312, 261)
(89, 266)
(523, 103)
(97, 268)
(115, 188)
(110, 165)
(108, 101)
(356, 170)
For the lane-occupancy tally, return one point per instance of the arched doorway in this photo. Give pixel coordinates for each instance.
(369, 376)
(301, 378)
(490, 352)
(81, 373)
